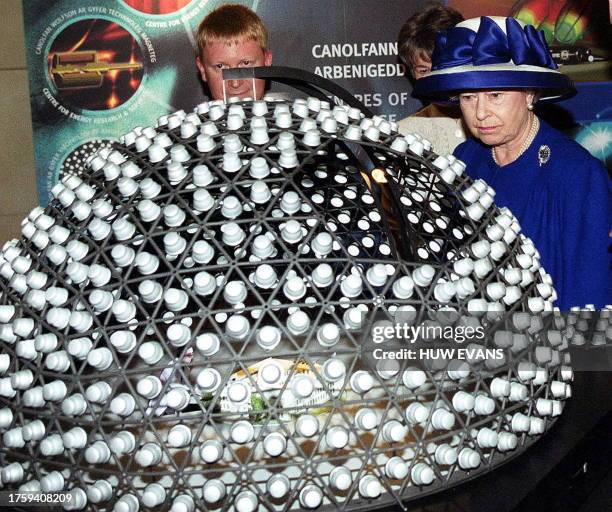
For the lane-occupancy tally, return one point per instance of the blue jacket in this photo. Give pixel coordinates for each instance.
(563, 205)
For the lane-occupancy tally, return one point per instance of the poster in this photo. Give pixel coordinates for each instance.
(98, 68)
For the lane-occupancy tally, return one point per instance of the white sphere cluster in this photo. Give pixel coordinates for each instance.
(183, 328)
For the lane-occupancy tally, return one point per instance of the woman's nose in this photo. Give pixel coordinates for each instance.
(482, 110)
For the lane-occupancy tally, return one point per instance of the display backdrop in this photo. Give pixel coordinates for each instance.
(98, 68)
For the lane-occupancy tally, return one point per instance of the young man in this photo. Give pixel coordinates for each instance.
(232, 36)
(439, 124)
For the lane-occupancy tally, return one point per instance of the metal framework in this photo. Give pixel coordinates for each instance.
(189, 325)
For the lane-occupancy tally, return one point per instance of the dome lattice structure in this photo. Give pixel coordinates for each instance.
(186, 326)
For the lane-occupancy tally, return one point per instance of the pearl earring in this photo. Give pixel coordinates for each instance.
(530, 106)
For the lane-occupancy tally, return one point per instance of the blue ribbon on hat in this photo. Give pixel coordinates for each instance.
(460, 46)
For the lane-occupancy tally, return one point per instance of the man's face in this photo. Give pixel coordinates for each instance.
(496, 117)
(419, 66)
(221, 55)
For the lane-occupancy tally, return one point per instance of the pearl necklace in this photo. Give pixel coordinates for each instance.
(533, 130)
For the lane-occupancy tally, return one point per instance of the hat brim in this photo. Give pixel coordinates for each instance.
(442, 85)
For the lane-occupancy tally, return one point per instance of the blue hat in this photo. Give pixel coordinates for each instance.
(492, 53)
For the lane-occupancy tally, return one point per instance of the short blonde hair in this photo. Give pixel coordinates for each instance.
(231, 23)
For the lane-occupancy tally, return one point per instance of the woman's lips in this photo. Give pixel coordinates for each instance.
(486, 129)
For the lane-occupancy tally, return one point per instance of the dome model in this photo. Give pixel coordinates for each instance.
(189, 326)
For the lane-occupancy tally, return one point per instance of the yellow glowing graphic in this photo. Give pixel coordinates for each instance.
(71, 70)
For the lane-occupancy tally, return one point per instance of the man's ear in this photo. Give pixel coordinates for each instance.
(267, 58)
(201, 68)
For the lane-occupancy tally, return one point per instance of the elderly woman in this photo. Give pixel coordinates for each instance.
(497, 68)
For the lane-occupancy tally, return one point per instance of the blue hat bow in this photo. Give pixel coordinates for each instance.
(460, 46)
